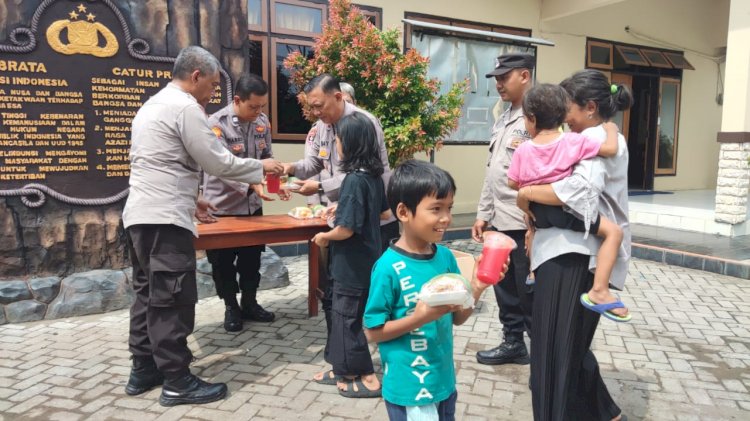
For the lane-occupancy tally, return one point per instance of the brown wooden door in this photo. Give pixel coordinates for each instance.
(622, 119)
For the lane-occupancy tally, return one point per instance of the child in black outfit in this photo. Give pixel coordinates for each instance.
(354, 248)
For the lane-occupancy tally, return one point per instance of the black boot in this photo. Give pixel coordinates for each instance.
(190, 389)
(232, 319)
(511, 351)
(251, 310)
(144, 376)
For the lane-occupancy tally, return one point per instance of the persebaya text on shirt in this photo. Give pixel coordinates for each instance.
(417, 366)
(417, 340)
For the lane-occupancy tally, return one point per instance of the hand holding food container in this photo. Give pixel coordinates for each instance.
(497, 248)
(291, 183)
(447, 289)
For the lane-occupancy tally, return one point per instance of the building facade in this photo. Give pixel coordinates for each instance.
(685, 60)
(672, 53)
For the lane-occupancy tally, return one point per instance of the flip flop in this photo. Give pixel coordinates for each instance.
(604, 309)
(530, 280)
(361, 392)
(329, 378)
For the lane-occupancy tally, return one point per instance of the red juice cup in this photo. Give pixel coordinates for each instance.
(273, 183)
(495, 252)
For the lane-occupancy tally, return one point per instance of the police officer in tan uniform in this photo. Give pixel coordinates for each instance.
(497, 209)
(327, 103)
(348, 95)
(242, 128)
(171, 143)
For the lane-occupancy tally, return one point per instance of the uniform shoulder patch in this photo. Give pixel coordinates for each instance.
(217, 131)
(311, 134)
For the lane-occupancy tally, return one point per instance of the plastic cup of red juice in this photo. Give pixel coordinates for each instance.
(273, 183)
(495, 252)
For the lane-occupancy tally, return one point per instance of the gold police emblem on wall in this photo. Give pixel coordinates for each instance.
(83, 35)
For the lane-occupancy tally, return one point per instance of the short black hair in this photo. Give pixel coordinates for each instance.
(250, 84)
(413, 180)
(359, 144)
(327, 82)
(547, 104)
(592, 85)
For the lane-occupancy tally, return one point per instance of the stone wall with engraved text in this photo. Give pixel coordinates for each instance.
(51, 112)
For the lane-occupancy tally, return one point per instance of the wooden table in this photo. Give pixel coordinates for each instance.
(241, 231)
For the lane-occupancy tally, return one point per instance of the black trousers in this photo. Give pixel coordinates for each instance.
(565, 379)
(227, 263)
(346, 348)
(388, 232)
(547, 216)
(163, 313)
(513, 296)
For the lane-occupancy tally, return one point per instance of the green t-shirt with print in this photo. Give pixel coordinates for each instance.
(418, 366)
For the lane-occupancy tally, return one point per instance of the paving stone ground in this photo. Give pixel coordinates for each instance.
(685, 356)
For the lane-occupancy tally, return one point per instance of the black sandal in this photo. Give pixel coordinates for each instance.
(361, 392)
(329, 378)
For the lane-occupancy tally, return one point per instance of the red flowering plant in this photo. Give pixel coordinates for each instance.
(390, 84)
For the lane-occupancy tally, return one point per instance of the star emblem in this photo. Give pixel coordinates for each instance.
(82, 8)
(73, 15)
(90, 17)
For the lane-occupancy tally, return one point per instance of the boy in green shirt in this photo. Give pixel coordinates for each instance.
(416, 340)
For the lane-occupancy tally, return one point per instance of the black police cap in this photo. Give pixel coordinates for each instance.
(507, 62)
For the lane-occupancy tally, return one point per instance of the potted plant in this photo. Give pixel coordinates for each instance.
(392, 85)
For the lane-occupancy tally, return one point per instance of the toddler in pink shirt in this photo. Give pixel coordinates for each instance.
(544, 163)
(550, 156)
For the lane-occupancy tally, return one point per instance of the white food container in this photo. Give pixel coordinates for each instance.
(461, 296)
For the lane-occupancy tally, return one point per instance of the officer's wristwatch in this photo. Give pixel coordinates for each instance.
(320, 188)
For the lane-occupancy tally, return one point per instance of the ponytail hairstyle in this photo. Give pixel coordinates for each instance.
(592, 85)
(359, 144)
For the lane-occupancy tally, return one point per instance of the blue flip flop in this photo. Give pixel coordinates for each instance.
(604, 309)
